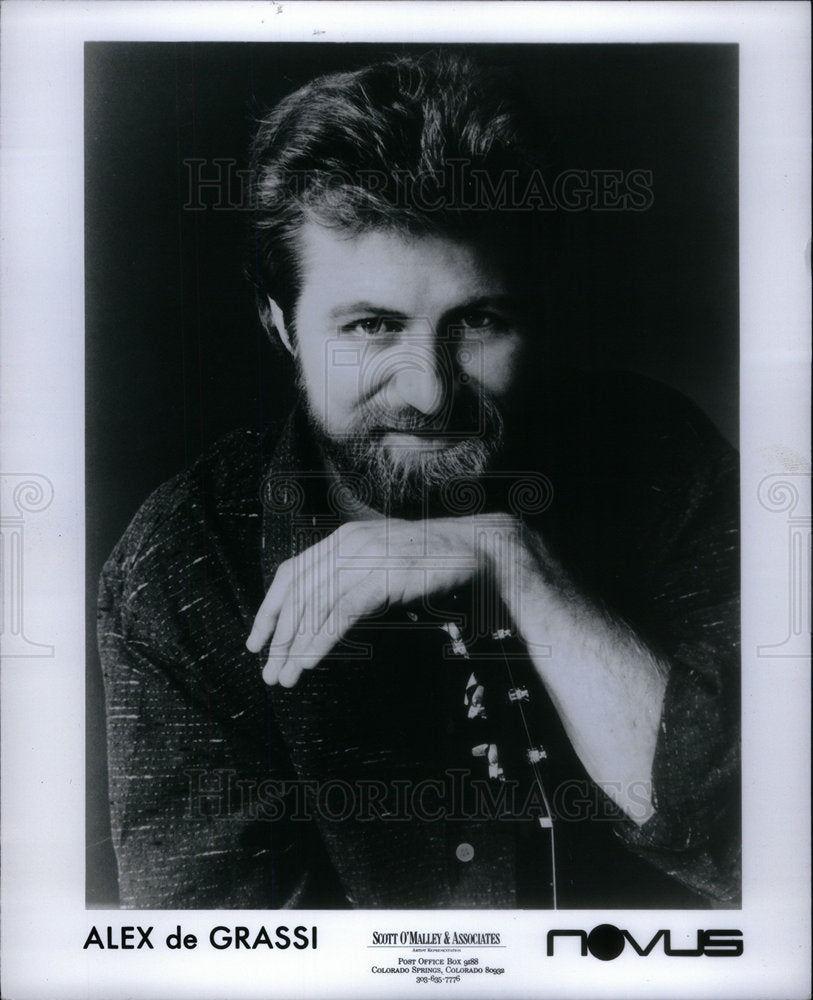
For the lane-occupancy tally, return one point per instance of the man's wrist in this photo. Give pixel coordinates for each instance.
(538, 593)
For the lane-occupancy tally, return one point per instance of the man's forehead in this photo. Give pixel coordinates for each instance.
(391, 269)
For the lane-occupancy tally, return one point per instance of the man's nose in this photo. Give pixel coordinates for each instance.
(420, 379)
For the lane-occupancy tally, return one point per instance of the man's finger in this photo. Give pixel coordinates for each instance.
(300, 614)
(284, 635)
(310, 647)
(311, 650)
(289, 574)
(265, 621)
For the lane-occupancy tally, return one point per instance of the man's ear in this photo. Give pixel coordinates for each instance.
(278, 320)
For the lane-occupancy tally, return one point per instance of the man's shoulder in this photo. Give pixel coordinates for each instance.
(218, 494)
(629, 422)
(634, 396)
(636, 467)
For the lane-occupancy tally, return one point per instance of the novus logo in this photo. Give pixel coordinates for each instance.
(606, 941)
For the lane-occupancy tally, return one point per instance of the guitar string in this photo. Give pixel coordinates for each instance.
(537, 774)
(535, 769)
(538, 778)
(452, 630)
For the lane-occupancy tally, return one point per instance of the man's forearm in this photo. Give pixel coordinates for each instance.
(607, 687)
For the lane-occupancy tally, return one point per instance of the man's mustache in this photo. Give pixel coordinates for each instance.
(409, 481)
(464, 417)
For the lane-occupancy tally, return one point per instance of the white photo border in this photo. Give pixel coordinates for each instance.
(45, 922)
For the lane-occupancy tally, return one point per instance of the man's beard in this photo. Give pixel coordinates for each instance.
(417, 482)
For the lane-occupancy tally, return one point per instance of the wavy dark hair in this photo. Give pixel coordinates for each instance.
(437, 144)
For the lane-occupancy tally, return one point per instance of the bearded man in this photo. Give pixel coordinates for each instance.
(463, 631)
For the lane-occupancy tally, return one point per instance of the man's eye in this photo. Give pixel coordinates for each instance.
(372, 326)
(482, 321)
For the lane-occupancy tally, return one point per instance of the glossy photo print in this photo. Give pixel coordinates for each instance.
(405, 535)
(413, 370)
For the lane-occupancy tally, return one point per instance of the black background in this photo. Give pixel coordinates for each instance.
(175, 355)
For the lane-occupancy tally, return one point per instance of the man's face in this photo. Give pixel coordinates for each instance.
(407, 349)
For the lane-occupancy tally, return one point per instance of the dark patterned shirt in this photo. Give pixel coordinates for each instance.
(365, 785)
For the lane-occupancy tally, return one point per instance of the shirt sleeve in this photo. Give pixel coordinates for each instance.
(197, 772)
(695, 834)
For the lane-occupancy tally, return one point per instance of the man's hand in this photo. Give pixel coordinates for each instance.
(362, 568)
(606, 685)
